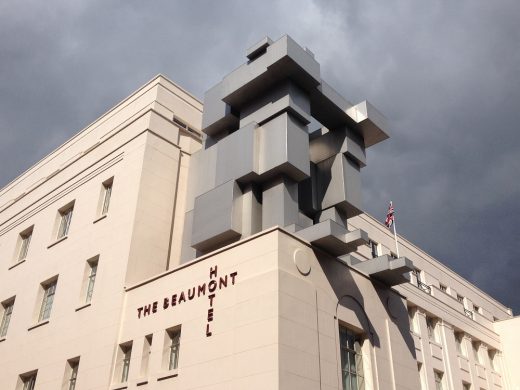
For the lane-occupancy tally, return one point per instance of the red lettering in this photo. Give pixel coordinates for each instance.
(213, 272)
(210, 315)
(139, 311)
(208, 333)
(201, 289)
(147, 309)
(211, 299)
(222, 282)
(212, 286)
(166, 303)
(182, 298)
(233, 277)
(174, 299)
(191, 293)
(154, 307)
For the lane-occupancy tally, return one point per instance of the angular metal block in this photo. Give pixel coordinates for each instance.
(371, 122)
(386, 269)
(338, 141)
(283, 146)
(280, 203)
(217, 115)
(330, 236)
(217, 217)
(236, 156)
(339, 185)
(258, 48)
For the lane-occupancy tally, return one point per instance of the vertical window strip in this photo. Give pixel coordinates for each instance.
(106, 198)
(24, 246)
(6, 318)
(66, 217)
(127, 354)
(175, 342)
(29, 382)
(73, 375)
(48, 299)
(351, 360)
(91, 281)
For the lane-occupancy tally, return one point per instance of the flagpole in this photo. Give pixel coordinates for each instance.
(395, 235)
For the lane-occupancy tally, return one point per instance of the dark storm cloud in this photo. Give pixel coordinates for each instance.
(444, 73)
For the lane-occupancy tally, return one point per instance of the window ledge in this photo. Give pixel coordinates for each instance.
(435, 343)
(167, 375)
(38, 325)
(57, 241)
(100, 218)
(463, 357)
(141, 381)
(2, 339)
(83, 306)
(119, 386)
(17, 264)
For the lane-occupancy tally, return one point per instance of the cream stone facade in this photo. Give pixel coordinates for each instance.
(96, 292)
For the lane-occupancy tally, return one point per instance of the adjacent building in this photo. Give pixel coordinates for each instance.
(174, 246)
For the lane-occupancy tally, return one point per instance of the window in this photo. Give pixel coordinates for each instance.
(466, 386)
(106, 193)
(91, 279)
(476, 308)
(7, 308)
(438, 379)
(492, 353)
(351, 360)
(431, 324)
(27, 381)
(374, 248)
(460, 298)
(459, 342)
(125, 361)
(71, 374)
(49, 290)
(411, 318)
(24, 241)
(476, 346)
(172, 343)
(147, 350)
(443, 288)
(416, 277)
(65, 218)
(393, 255)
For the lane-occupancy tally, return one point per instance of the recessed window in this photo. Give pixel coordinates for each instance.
(147, 350)
(7, 311)
(374, 248)
(443, 288)
(65, 217)
(27, 381)
(438, 379)
(476, 309)
(71, 374)
(106, 194)
(459, 342)
(92, 267)
(172, 344)
(476, 347)
(124, 356)
(411, 318)
(431, 324)
(492, 355)
(351, 360)
(466, 386)
(23, 243)
(460, 298)
(49, 291)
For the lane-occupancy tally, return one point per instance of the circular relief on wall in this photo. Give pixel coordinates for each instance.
(302, 262)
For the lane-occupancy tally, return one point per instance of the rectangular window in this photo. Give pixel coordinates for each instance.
(71, 374)
(411, 319)
(443, 288)
(431, 324)
(125, 364)
(65, 219)
(466, 386)
(438, 379)
(351, 360)
(476, 346)
(49, 290)
(476, 309)
(459, 342)
(27, 381)
(374, 250)
(7, 308)
(460, 298)
(25, 240)
(91, 279)
(106, 194)
(174, 346)
(147, 350)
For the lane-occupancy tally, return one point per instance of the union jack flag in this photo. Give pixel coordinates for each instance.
(389, 221)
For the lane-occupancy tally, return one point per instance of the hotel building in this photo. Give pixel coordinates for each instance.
(174, 246)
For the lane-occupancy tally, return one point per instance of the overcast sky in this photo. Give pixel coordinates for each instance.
(446, 74)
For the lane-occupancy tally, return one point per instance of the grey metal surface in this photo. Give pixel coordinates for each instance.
(385, 268)
(260, 167)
